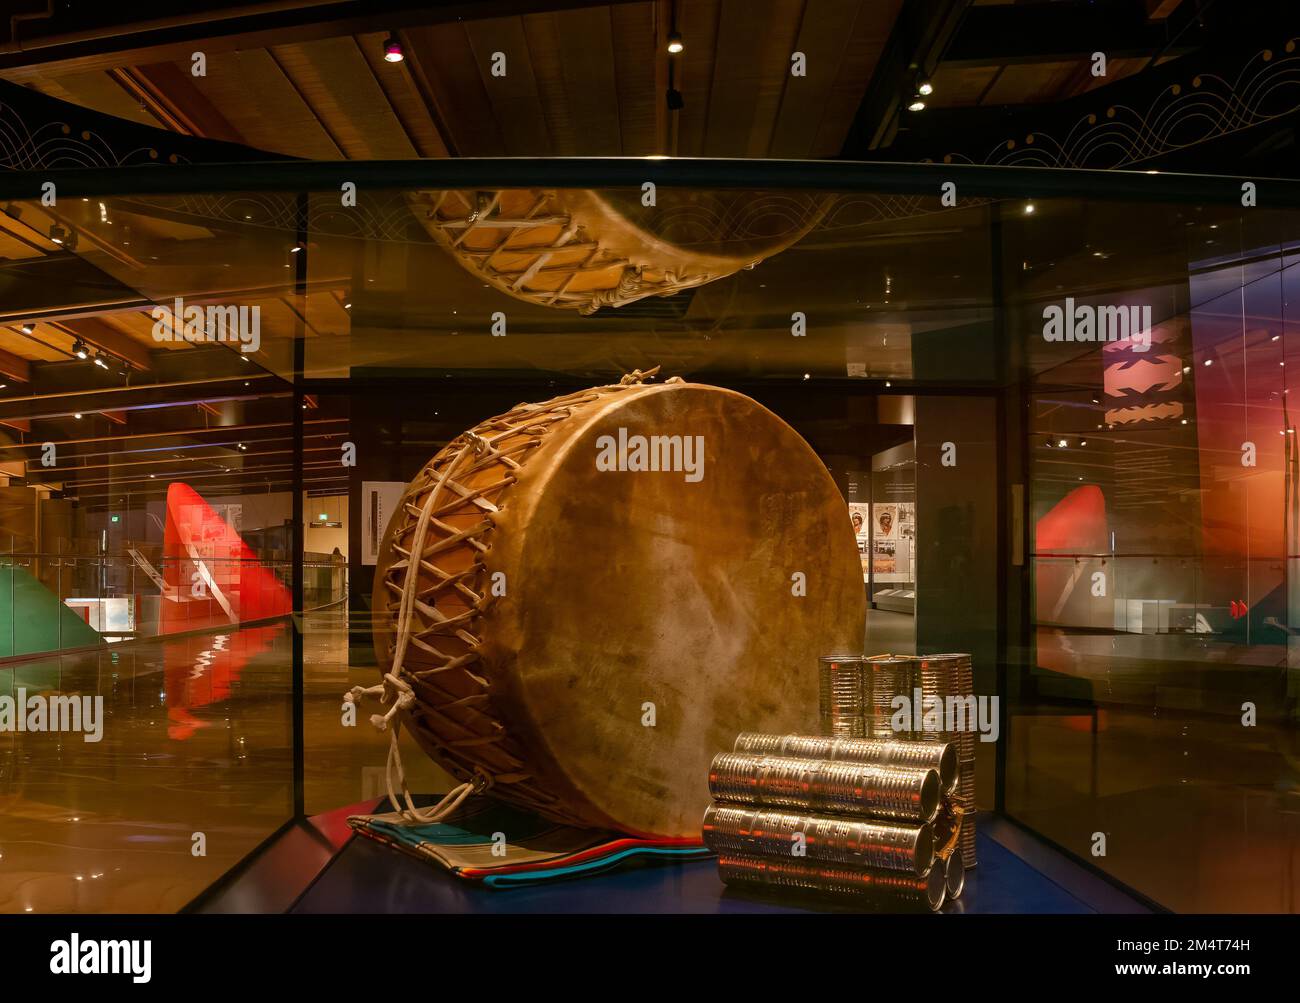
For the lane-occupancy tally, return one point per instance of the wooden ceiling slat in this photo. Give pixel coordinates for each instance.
(15, 367)
(179, 103)
(340, 88)
(97, 90)
(262, 104)
(585, 47)
(564, 128)
(867, 39)
(640, 99)
(444, 57)
(35, 347)
(514, 97)
(960, 86)
(407, 95)
(698, 23)
(13, 249)
(107, 337)
(824, 35)
(140, 327)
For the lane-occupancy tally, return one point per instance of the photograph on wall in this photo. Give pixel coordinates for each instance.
(885, 526)
(860, 516)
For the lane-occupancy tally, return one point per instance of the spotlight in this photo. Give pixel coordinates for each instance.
(28, 328)
(675, 42)
(77, 416)
(1029, 208)
(393, 50)
(926, 88)
(79, 349)
(58, 233)
(101, 362)
(916, 105)
(675, 101)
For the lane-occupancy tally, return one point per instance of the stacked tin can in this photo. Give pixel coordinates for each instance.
(841, 695)
(940, 677)
(831, 814)
(883, 678)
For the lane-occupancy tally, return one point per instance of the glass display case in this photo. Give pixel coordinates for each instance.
(1053, 420)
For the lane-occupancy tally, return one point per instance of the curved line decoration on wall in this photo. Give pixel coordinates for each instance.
(1204, 107)
(67, 136)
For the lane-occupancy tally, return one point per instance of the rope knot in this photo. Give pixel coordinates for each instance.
(637, 376)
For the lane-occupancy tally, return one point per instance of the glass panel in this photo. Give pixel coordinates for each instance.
(1144, 640)
(1156, 722)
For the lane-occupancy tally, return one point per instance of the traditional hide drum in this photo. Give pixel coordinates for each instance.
(590, 623)
(579, 249)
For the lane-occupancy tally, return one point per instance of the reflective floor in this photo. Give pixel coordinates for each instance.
(194, 770)
(1199, 812)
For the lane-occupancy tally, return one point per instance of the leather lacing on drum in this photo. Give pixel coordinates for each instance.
(417, 606)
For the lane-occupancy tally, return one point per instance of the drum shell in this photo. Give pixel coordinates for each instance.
(551, 711)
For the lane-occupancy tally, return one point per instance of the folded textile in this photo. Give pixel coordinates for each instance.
(504, 847)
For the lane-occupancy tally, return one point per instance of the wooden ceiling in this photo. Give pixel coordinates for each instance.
(588, 81)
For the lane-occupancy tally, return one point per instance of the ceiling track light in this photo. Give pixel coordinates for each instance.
(393, 50)
(27, 328)
(675, 42)
(916, 105)
(675, 99)
(80, 350)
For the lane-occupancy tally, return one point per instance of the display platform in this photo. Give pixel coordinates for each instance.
(336, 871)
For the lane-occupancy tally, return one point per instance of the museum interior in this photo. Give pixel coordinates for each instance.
(947, 342)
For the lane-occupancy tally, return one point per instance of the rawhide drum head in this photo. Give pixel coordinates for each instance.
(612, 585)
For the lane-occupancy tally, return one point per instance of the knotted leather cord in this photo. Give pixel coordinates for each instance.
(950, 844)
(395, 689)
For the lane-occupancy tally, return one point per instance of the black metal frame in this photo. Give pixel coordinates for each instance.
(620, 172)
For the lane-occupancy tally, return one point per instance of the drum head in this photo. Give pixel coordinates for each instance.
(651, 615)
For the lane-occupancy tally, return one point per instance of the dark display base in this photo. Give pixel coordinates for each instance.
(366, 877)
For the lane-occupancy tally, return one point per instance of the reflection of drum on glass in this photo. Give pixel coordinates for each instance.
(578, 249)
(585, 639)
